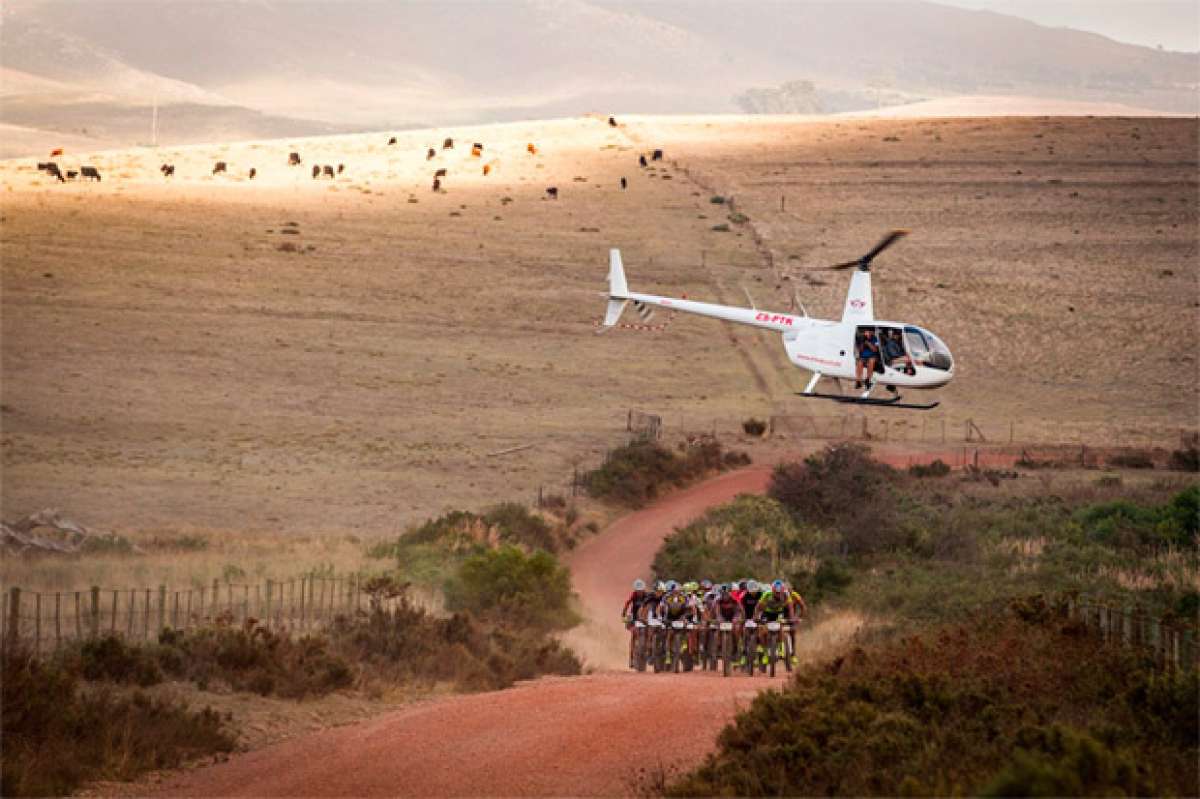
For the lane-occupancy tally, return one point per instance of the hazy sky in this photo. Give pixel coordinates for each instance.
(1175, 24)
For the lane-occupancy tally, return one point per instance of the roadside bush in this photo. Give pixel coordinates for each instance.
(638, 472)
(1185, 459)
(111, 659)
(938, 468)
(845, 489)
(996, 704)
(56, 736)
(508, 587)
(1132, 460)
(519, 525)
(748, 536)
(256, 659)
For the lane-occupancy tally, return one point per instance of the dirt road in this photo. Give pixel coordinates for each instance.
(565, 736)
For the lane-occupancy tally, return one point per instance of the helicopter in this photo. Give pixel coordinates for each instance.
(827, 348)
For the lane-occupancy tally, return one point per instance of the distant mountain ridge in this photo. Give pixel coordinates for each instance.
(360, 65)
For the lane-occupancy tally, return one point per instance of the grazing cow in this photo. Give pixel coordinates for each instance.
(391, 141)
(43, 166)
(552, 192)
(293, 159)
(218, 167)
(327, 171)
(431, 154)
(89, 172)
(624, 184)
(656, 155)
(316, 171)
(612, 122)
(486, 169)
(52, 170)
(253, 172)
(56, 152)
(341, 168)
(477, 149)
(448, 144)
(437, 185)
(72, 174)
(531, 148)
(641, 160)
(441, 173)
(167, 170)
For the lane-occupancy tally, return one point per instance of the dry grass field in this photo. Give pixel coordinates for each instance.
(213, 354)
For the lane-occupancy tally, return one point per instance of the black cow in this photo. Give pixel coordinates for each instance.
(293, 159)
(167, 170)
(89, 172)
(327, 171)
(51, 169)
(612, 122)
(316, 171)
(253, 172)
(642, 160)
(218, 167)
(552, 192)
(441, 173)
(72, 174)
(624, 183)
(429, 156)
(448, 144)
(341, 168)
(437, 185)
(391, 141)
(656, 155)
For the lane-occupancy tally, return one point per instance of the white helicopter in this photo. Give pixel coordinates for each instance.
(826, 348)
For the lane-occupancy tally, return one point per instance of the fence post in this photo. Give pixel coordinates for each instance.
(14, 618)
(78, 618)
(216, 598)
(175, 610)
(132, 603)
(95, 611)
(37, 623)
(200, 610)
(303, 605)
(113, 625)
(245, 603)
(57, 620)
(268, 613)
(162, 607)
(146, 619)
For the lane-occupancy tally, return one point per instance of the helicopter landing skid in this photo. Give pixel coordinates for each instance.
(892, 402)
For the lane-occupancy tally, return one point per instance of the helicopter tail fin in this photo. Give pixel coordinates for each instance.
(618, 289)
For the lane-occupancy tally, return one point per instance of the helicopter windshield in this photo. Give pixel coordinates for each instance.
(927, 349)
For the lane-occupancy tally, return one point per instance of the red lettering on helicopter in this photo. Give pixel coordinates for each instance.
(815, 359)
(773, 317)
(857, 304)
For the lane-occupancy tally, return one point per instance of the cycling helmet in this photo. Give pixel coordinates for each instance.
(751, 586)
(639, 584)
(690, 587)
(777, 585)
(706, 585)
(724, 588)
(672, 585)
(660, 586)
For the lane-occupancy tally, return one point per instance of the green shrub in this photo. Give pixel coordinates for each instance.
(519, 525)
(1060, 761)
(508, 587)
(738, 218)
(845, 489)
(1132, 460)
(721, 228)
(1186, 459)
(717, 199)
(56, 736)
(111, 659)
(637, 473)
(938, 468)
(1126, 524)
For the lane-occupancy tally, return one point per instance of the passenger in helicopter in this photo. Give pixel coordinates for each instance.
(894, 354)
(868, 356)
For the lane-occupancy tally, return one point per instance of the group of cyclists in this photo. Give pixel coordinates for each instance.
(747, 623)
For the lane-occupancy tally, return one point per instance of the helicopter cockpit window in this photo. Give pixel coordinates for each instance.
(927, 349)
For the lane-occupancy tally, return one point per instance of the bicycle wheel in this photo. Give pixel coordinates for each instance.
(772, 651)
(726, 655)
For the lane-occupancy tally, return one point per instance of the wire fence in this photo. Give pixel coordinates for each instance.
(1172, 644)
(46, 621)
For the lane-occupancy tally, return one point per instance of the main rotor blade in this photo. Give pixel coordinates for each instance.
(846, 265)
(886, 242)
